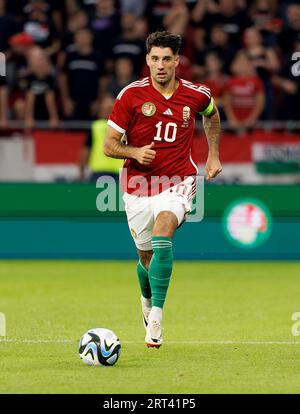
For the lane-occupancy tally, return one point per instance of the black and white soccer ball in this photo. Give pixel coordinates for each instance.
(99, 346)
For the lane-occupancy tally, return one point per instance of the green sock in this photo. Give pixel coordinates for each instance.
(144, 280)
(160, 269)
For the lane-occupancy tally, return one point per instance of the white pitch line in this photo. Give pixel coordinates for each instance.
(235, 342)
(70, 341)
(37, 341)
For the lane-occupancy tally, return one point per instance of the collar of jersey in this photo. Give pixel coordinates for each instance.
(173, 94)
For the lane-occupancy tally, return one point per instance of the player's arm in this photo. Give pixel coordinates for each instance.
(115, 148)
(212, 128)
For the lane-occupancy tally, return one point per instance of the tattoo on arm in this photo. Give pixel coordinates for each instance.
(212, 129)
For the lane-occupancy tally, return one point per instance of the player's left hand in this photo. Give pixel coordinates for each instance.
(213, 167)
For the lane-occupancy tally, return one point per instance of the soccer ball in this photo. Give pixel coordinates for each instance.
(99, 346)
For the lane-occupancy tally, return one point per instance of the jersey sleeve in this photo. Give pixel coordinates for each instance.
(206, 104)
(122, 113)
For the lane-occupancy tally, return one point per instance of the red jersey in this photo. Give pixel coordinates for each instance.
(146, 116)
(243, 91)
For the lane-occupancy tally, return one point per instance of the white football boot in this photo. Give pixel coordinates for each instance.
(153, 337)
(145, 313)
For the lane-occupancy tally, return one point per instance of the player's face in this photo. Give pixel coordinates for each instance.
(162, 64)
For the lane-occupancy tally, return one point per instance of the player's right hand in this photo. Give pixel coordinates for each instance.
(145, 155)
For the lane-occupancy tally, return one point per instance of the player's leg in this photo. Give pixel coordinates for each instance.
(143, 277)
(160, 270)
(140, 221)
(169, 208)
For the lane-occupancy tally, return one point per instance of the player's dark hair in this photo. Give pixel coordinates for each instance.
(164, 39)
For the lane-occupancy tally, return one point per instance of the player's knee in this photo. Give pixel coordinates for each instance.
(165, 224)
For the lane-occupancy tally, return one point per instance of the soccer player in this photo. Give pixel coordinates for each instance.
(157, 115)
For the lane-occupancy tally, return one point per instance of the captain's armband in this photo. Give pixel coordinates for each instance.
(208, 111)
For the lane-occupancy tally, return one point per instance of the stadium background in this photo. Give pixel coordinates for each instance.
(41, 47)
(84, 51)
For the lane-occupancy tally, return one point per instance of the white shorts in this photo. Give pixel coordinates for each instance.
(142, 211)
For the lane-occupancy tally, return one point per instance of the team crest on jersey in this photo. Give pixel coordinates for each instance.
(148, 108)
(186, 114)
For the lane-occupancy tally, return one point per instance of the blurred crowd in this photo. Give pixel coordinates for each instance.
(63, 57)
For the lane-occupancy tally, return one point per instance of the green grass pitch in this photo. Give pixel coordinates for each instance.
(227, 328)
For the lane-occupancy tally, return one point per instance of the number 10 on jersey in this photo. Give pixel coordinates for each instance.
(169, 134)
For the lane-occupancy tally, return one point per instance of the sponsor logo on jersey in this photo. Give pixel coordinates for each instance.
(168, 112)
(148, 108)
(186, 114)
